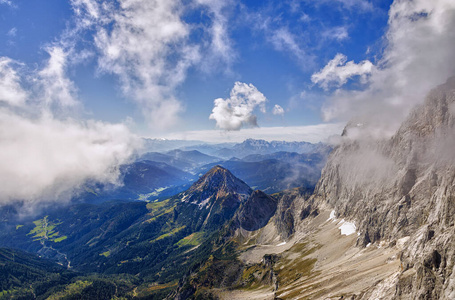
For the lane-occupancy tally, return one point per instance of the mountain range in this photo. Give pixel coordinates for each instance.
(379, 225)
(159, 175)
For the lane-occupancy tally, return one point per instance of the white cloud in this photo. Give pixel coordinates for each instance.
(12, 32)
(47, 159)
(338, 71)
(220, 43)
(150, 47)
(146, 44)
(362, 4)
(43, 158)
(236, 111)
(8, 2)
(278, 110)
(336, 33)
(11, 91)
(418, 56)
(312, 134)
(283, 40)
(57, 87)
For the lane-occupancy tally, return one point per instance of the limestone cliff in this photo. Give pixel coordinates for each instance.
(402, 190)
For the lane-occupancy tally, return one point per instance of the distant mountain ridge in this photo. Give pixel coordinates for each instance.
(228, 150)
(252, 146)
(185, 160)
(275, 172)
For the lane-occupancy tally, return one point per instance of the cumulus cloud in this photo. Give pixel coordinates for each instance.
(338, 71)
(418, 56)
(11, 91)
(278, 110)
(236, 111)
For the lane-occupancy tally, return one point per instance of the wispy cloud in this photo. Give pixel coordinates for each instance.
(11, 91)
(150, 48)
(220, 50)
(283, 40)
(7, 2)
(338, 71)
(145, 43)
(338, 33)
(57, 88)
(278, 110)
(12, 32)
(236, 111)
(360, 4)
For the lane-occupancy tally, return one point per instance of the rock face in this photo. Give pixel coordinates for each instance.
(256, 211)
(212, 200)
(403, 190)
(216, 182)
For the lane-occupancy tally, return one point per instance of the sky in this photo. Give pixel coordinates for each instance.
(82, 80)
(159, 66)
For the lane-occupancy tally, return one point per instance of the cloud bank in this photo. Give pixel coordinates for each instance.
(312, 133)
(236, 111)
(45, 158)
(418, 56)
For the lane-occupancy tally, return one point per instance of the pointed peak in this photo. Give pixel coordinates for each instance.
(256, 211)
(221, 177)
(218, 168)
(259, 193)
(217, 181)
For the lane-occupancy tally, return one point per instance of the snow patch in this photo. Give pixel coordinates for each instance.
(281, 244)
(347, 228)
(332, 216)
(185, 196)
(204, 203)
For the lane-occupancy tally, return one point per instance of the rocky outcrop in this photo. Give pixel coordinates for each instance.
(212, 200)
(403, 190)
(256, 211)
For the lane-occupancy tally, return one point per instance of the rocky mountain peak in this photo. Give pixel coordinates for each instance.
(213, 199)
(217, 182)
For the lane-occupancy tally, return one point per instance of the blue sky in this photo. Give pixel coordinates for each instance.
(82, 80)
(274, 45)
